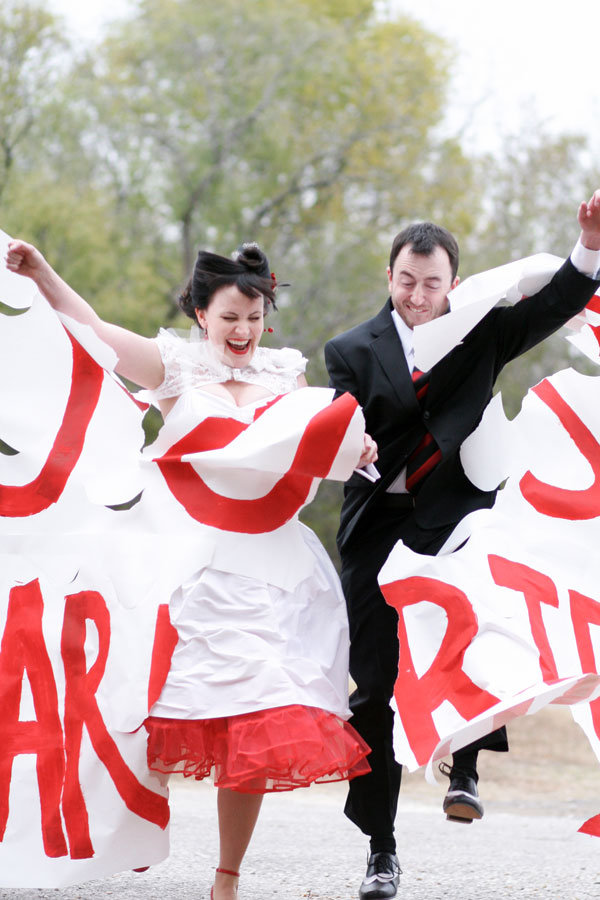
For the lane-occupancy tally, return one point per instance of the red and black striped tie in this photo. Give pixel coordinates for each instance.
(426, 454)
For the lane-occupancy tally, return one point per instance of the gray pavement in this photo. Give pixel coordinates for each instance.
(305, 849)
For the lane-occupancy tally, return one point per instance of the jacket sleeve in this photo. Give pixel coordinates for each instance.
(518, 328)
(341, 376)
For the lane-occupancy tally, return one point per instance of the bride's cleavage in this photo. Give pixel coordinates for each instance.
(238, 393)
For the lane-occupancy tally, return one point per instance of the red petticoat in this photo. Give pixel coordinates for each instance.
(268, 750)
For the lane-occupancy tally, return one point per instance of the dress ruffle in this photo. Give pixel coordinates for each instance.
(194, 363)
(268, 750)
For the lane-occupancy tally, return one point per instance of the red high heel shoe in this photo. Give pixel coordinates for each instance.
(225, 872)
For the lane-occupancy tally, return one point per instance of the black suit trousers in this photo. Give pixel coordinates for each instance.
(373, 798)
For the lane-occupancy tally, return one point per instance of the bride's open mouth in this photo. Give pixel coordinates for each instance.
(239, 347)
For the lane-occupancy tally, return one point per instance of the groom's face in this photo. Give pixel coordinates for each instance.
(419, 285)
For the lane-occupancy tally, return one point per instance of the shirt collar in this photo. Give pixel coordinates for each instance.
(406, 338)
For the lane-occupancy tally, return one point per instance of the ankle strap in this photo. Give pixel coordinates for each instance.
(227, 872)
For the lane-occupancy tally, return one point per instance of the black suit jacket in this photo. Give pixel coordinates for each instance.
(369, 362)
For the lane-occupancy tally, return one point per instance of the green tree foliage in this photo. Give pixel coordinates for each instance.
(52, 190)
(307, 126)
(532, 189)
(30, 49)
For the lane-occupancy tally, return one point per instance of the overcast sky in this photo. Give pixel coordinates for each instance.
(520, 58)
(516, 60)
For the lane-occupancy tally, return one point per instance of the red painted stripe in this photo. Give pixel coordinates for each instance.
(314, 457)
(596, 330)
(139, 403)
(594, 304)
(43, 491)
(591, 826)
(165, 641)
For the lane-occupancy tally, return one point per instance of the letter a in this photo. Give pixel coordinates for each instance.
(82, 708)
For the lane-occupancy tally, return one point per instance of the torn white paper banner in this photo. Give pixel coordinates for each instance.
(85, 335)
(586, 341)
(568, 691)
(486, 455)
(60, 408)
(83, 803)
(586, 324)
(278, 427)
(473, 299)
(511, 620)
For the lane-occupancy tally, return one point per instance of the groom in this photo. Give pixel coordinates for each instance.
(419, 421)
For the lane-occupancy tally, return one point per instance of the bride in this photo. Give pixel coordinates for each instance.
(257, 687)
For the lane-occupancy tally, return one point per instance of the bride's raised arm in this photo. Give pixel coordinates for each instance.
(139, 357)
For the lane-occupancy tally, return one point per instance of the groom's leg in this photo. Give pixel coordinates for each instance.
(372, 798)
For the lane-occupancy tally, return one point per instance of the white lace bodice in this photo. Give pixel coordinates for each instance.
(192, 363)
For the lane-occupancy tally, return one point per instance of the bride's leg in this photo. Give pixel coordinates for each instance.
(237, 817)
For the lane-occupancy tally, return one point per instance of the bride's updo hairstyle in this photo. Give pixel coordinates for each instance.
(248, 269)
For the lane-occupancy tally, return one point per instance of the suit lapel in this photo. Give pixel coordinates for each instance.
(388, 351)
(444, 373)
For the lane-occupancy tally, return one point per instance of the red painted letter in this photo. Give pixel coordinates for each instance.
(560, 502)
(43, 491)
(585, 612)
(445, 679)
(23, 650)
(81, 708)
(537, 589)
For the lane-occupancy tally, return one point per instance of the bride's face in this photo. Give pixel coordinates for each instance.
(233, 324)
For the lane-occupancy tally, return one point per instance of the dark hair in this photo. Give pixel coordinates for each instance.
(423, 238)
(248, 270)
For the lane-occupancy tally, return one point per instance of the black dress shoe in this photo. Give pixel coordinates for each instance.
(461, 803)
(382, 878)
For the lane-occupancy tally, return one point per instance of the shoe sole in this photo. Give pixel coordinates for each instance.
(462, 812)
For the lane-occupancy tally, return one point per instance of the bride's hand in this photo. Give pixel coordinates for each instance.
(369, 453)
(25, 259)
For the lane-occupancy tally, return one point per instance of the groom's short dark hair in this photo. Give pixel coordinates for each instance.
(423, 238)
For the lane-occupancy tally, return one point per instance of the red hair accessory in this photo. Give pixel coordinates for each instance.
(275, 283)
